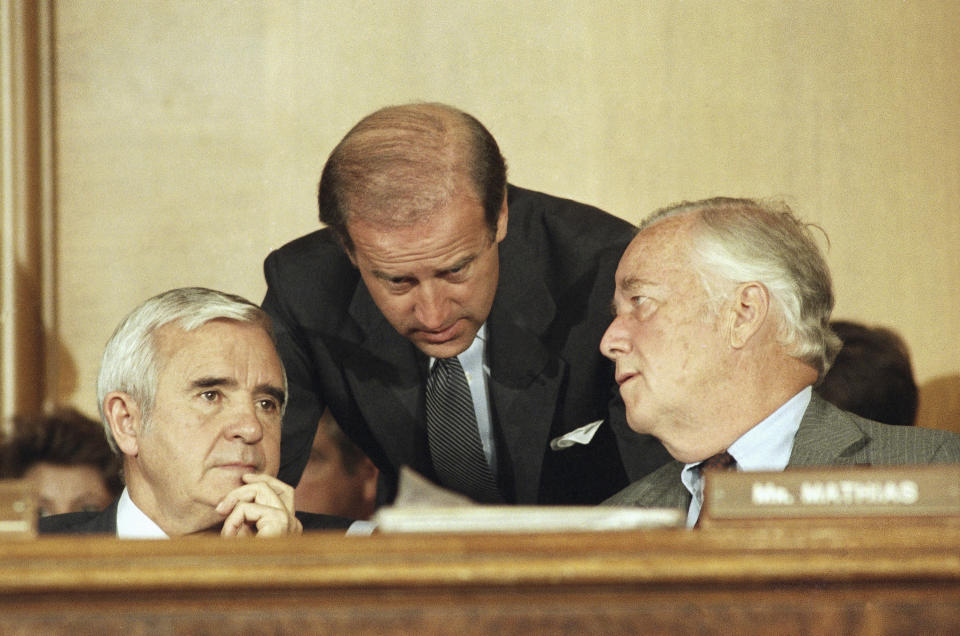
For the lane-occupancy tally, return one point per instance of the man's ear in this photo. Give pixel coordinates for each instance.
(368, 489)
(125, 419)
(751, 304)
(348, 250)
(502, 220)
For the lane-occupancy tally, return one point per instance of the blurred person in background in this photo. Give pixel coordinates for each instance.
(872, 375)
(67, 457)
(339, 479)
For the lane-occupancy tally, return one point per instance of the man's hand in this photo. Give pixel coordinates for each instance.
(262, 507)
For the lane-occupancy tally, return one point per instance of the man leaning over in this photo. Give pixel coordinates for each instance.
(443, 338)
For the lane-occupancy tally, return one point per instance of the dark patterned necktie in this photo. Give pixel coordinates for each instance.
(455, 446)
(719, 462)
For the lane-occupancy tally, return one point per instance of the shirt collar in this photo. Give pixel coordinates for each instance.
(766, 446)
(474, 354)
(133, 523)
(472, 358)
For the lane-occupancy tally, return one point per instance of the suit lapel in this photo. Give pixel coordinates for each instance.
(106, 521)
(825, 438)
(103, 522)
(660, 489)
(385, 373)
(525, 379)
(524, 385)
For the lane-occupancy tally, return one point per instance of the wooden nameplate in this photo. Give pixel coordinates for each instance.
(920, 494)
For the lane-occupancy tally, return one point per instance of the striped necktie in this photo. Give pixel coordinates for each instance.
(454, 440)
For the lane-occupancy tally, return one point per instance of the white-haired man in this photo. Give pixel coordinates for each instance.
(191, 392)
(721, 329)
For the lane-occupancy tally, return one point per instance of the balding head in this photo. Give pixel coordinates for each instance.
(403, 163)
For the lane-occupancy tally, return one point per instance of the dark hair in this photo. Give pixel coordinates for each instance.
(402, 162)
(872, 375)
(66, 438)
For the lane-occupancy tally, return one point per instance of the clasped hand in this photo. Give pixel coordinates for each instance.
(262, 507)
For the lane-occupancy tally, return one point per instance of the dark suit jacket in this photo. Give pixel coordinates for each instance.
(827, 437)
(547, 376)
(105, 522)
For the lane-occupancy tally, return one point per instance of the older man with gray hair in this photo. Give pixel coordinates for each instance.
(721, 329)
(191, 391)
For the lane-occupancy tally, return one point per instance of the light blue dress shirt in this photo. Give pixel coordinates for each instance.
(766, 446)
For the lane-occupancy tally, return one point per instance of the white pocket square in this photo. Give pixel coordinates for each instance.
(581, 435)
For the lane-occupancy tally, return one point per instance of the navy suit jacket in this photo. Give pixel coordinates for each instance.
(547, 376)
(105, 522)
(827, 436)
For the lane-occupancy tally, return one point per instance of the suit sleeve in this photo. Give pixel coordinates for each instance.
(949, 451)
(304, 405)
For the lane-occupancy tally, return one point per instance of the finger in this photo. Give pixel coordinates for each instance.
(264, 503)
(235, 525)
(278, 526)
(282, 489)
(263, 521)
(257, 492)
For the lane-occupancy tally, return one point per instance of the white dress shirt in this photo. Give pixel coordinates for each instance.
(132, 523)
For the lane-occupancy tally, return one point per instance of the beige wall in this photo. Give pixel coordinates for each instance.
(190, 135)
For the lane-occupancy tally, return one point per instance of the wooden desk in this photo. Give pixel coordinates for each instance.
(888, 579)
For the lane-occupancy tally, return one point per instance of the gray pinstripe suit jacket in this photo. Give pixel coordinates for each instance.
(827, 437)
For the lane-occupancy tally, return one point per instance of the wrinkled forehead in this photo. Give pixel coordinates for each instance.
(672, 231)
(402, 195)
(459, 222)
(658, 250)
(220, 340)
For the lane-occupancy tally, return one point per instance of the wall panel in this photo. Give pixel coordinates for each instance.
(190, 134)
